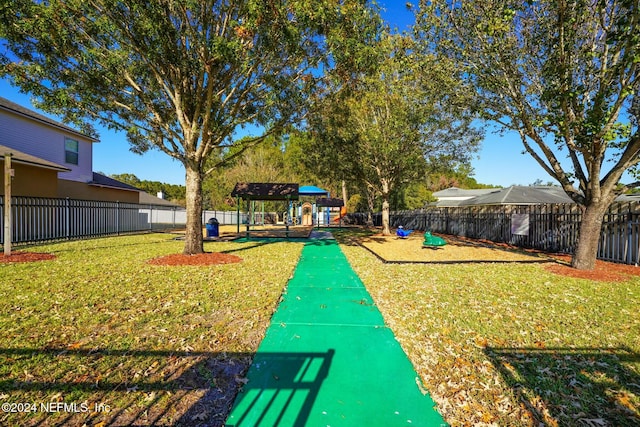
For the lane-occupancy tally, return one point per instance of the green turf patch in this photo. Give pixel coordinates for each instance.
(329, 359)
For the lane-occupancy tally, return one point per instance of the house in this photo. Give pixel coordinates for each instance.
(521, 195)
(51, 159)
(455, 196)
(513, 195)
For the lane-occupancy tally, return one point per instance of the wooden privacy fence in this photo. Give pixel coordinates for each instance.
(45, 219)
(550, 228)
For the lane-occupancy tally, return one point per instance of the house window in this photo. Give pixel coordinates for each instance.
(71, 151)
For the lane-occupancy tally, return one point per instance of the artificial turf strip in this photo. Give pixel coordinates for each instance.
(328, 359)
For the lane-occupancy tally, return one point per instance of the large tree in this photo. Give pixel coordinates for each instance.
(400, 119)
(182, 76)
(565, 76)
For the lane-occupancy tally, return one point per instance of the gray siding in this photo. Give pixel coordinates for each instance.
(47, 142)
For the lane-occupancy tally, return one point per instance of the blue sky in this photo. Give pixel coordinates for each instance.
(499, 162)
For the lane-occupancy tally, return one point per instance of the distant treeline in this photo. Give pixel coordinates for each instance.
(172, 192)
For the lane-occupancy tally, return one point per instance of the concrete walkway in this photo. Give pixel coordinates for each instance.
(328, 359)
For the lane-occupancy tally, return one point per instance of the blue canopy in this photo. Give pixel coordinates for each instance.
(312, 190)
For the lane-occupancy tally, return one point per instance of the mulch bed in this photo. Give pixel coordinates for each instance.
(604, 271)
(209, 258)
(25, 257)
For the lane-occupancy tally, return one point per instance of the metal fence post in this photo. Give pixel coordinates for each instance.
(67, 219)
(117, 217)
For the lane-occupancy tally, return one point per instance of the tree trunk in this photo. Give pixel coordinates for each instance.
(193, 238)
(385, 207)
(371, 205)
(385, 216)
(589, 237)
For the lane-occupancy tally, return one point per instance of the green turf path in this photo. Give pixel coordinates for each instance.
(328, 359)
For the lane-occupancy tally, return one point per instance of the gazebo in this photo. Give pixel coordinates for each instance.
(255, 191)
(327, 202)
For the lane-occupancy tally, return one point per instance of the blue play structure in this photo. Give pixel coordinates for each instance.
(402, 233)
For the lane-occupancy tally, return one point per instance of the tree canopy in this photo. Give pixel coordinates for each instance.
(564, 75)
(172, 192)
(398, 121)
(182, 76)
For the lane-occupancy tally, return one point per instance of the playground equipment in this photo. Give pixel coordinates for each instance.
(431, 241)
(402, 233)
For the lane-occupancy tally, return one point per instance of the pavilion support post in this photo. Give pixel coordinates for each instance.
(238, 214)
(286, 223)
(248, 216)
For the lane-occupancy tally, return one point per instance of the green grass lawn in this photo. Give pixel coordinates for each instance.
(121, 342)
(512, 344)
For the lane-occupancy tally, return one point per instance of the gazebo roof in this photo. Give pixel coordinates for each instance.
(265, 191)
(312, 190)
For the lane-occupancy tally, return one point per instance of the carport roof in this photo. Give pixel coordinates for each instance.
(27, 159)
(265, 191)
(329, 202)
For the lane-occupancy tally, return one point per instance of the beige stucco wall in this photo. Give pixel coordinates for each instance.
(31, 181)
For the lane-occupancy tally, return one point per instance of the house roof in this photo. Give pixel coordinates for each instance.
(18, 109)
(150, 199)
(461, 194)
(28, 159)
(100, 180)
(447, 203)
(520, 195)
(265, 191)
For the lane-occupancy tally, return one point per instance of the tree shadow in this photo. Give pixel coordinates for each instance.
(281, 390)
(573, 386)
(76, 387)
(535, 258)
(98, 243)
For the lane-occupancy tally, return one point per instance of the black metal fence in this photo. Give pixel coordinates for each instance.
(46, 219)
(551, 228)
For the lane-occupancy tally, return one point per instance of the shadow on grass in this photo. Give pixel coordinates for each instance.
(362, 237)
(263, 241)
(356, 242)
(145, 388)
(573, 386)
(99, 242)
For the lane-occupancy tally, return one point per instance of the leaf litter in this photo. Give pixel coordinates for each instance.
(513, 344)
